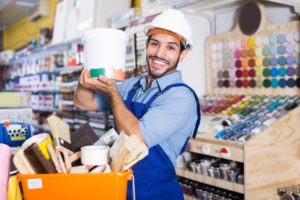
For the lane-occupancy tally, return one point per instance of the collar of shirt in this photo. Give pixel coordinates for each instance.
(162, 82)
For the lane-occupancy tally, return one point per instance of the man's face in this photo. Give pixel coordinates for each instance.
(163, 54)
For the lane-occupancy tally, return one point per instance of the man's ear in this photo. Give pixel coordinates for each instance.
(183, 55)
(147, 42)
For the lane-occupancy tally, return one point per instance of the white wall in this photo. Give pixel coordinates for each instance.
(280, 14)
(276, 14)
(193, 67)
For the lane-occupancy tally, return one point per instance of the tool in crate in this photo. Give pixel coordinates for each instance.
(105, 169)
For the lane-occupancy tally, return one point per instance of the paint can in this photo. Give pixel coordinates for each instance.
(105, 52)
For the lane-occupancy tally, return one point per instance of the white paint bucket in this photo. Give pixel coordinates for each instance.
(105, 52)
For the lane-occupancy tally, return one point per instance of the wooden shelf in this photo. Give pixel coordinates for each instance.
(212, 147)
(272, 158)
(235, 187)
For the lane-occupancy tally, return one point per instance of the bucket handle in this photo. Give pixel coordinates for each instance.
(133, 187)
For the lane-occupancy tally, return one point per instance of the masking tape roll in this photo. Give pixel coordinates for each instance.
(42, 139)
(94, 155)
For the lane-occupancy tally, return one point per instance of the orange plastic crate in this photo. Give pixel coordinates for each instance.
(110, 186)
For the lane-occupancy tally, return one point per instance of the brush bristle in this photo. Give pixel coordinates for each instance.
(38, 161)
(21, 163)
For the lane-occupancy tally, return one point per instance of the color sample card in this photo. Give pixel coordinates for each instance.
(268, 61)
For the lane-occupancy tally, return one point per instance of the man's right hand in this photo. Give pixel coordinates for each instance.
(84, 96)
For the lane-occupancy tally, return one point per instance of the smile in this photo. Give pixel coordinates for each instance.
(159, 61)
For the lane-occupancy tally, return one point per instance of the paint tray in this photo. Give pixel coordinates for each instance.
(112, 186)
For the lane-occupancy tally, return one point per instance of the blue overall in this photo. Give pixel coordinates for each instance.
(155, 176)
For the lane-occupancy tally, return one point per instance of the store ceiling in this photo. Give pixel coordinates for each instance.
(12, 10)
(215, 6)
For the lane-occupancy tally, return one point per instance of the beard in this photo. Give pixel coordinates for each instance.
(171, 68)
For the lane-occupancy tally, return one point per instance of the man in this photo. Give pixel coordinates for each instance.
(159, 108)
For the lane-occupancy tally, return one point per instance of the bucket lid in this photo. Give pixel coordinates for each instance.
(105, 32)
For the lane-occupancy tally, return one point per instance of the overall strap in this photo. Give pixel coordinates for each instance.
(152, 99)
(137, 85)
(132, 92)
(197, 102)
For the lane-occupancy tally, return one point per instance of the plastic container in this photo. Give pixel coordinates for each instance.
(112, 186)
(15, 134)
(105, 52)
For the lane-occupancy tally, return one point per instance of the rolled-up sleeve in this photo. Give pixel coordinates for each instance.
(174, 112)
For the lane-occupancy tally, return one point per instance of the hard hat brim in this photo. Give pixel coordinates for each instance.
(186, 44)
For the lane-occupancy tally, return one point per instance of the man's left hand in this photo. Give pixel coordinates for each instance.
(102, 84)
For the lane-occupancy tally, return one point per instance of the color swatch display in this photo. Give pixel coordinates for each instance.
(240, 117)
(270, 61)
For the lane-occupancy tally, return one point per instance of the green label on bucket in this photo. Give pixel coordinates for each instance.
(97, 72)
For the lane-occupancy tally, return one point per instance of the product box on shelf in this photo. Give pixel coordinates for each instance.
(21, 115)
(14, 134)
(14, 99)
(6, 56)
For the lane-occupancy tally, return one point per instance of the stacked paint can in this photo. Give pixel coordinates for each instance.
(105, 52)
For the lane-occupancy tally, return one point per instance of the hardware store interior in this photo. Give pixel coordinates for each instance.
(150, 99)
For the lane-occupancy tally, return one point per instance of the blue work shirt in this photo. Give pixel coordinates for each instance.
(172, 116)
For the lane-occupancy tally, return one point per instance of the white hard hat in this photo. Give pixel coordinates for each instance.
(174, 21)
